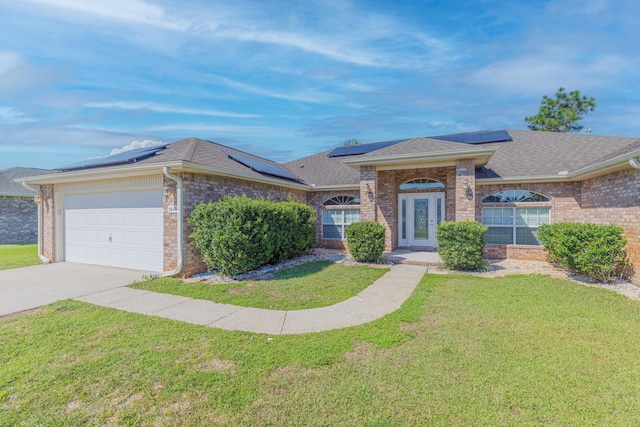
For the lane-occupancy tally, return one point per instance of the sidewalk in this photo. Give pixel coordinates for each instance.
(384, 296)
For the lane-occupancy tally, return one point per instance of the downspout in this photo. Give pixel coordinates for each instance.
(179, 188)
(634, 163)
(38, 200)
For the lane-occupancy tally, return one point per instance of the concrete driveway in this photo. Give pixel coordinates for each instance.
(30, 287)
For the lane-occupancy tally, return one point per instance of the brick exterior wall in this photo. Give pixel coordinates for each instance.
(465, 190)
(615, 198)
(203, 188)
(48, 222)
(18, 219)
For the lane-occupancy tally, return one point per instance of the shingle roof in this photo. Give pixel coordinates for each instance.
(548, 153)
(8, 187)
(319, 169)
(208, 153)
(530, 154)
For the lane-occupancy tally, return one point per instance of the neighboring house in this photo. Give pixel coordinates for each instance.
(18, 212)
(130, 210)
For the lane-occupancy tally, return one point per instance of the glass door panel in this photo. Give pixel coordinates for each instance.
(421, 219)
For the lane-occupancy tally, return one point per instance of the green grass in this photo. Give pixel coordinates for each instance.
(14, 256)
(311, 285)
(463, 350)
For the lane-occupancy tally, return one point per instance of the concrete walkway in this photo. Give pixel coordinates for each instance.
(384, 296)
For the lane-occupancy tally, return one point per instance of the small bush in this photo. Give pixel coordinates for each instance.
(461, 245)
(238, 234)
(594, 250)
(366, 240)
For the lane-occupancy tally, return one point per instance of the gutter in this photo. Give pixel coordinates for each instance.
(38, 200)
(179, 195)
(634, 163)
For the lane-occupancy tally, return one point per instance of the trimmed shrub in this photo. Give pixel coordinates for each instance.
(461, 245)
(594, 250)
(238, 234)
(365, 240)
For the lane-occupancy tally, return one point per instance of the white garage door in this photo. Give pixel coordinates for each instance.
(122, 229)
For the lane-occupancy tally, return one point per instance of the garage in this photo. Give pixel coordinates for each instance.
(118, 229)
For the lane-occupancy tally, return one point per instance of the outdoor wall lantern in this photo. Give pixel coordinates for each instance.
(369, 192)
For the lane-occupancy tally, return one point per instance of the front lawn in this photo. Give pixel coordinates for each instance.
(14, 256)
(311, 285)
(463, 350)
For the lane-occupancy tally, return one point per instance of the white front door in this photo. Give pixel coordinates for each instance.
(419, 215)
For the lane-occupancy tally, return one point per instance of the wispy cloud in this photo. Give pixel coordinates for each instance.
(308, 95)
(134, 11)
(149, 106)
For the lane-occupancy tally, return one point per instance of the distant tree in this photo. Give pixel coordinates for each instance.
(562, 113)
(350, 142)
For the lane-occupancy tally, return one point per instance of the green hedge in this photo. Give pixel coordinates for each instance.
(594, 250)
(238, 234)
(461, 245)
(365, 240)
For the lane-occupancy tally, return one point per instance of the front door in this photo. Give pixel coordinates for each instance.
(419, 214)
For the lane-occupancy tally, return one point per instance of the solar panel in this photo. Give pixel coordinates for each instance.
(354, 150)
(476, 137)
(130, 156)
(262, 167)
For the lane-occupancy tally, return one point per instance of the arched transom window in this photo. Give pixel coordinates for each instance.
(342, 201)
(515, 196)
(421, 184)
(514, 224)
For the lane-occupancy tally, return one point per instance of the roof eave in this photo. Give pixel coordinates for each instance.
(338, 187)
(196, 167)
(592, 171)
(444, 158)
(97, 173)
(602, 168)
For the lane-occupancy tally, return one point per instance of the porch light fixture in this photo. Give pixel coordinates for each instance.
(369, 192)
(465, 184)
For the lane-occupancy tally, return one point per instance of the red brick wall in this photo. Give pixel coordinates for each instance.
(203, 188)
(465, 190)
(615, 198)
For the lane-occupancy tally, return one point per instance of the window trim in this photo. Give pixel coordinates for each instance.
(514, 224)
(342, 225)
(436, 185)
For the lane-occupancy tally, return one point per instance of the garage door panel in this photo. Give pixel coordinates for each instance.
(117, 232)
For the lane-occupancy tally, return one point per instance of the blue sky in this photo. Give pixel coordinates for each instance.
(285, 79)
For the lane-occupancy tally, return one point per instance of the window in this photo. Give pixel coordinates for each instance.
(335, 220)
(341, 200)
(421, 184)
(515, 196)
(517, 224)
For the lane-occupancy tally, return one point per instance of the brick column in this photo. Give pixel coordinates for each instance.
(48, 223)
(465, 190)
(368, 193)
